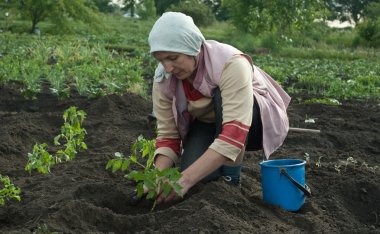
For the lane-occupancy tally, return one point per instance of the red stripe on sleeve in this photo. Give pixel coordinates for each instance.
(234, 133)
(174, 144)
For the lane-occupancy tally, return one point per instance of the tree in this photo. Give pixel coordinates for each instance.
(130, 5)
(104, 5)
(146, 9)
(58, 11)
(265, 15)
(219, 11)
(369, 29)
(348, 10)
(200, 12)
(162, 5)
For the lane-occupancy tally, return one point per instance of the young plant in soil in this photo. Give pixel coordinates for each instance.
(8, 190)
(150, 179)
(72, 134)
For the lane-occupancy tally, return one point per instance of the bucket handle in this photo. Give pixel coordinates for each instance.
(306, 190)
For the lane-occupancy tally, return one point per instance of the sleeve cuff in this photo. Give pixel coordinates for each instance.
(225, 149)
(168, 152)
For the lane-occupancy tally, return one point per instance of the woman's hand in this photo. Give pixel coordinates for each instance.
(173, 196)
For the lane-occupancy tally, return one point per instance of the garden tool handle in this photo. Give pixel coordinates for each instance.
(305, 189)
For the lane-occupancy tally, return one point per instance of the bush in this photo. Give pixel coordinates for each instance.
(369, 31)
(200, 13)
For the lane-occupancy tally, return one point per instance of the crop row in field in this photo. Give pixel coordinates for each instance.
(96, 66)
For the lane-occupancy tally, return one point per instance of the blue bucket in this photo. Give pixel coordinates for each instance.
(283, 182)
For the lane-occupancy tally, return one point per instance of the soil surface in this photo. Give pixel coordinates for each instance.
(80, 196)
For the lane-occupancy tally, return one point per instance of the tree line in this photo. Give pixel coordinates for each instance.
(252, 16)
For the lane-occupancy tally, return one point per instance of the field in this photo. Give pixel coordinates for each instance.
(109, 79)
(80, 196)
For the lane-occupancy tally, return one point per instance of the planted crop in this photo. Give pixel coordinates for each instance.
(8, 191)
(72, 134)
(72, 137)
(153, 180)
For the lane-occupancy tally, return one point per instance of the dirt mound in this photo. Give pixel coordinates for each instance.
(82, 197)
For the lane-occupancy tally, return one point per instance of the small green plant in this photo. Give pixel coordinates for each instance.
(43, 229)
(72, 134)
(8, 191)
(154, 180)
(318, 163)
(349, 161)
(40, 159)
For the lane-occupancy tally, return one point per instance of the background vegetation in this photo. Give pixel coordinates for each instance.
(98, 47)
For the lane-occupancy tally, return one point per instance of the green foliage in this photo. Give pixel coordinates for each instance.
(257, 16)
(8, 190)
(163, 5)
(43, 229)
(40, 159)
(347, 10)
(153, 179)
(92, 68)
(369, 30)
(72, 134)
(200, 13)
(59, 12)
(325, 78)
(147, 9)
(104, 6)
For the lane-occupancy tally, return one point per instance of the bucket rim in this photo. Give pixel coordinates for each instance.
(292, 163)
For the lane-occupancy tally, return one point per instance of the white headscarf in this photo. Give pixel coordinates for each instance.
(175, 32)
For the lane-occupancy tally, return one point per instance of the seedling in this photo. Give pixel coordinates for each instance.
(9, 191)
(318, 163)
(152, 179)
(72, 134)
(40, 159)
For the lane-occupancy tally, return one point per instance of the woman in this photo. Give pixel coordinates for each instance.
(211, 103)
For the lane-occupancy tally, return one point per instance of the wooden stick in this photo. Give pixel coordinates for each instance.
(304, 130)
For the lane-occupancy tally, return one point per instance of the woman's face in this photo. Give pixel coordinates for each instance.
(180, 65)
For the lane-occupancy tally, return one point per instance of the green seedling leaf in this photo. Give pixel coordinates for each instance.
(151, 194)
(136, 176)
(116, 166)
(125, 165)
(83, 145)
(56, 140)
(167, 189)
(110, 163)
(140, 189)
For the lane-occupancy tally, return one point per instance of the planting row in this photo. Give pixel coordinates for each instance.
(94, 67)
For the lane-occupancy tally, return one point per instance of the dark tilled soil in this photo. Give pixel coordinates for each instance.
(80, 196)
